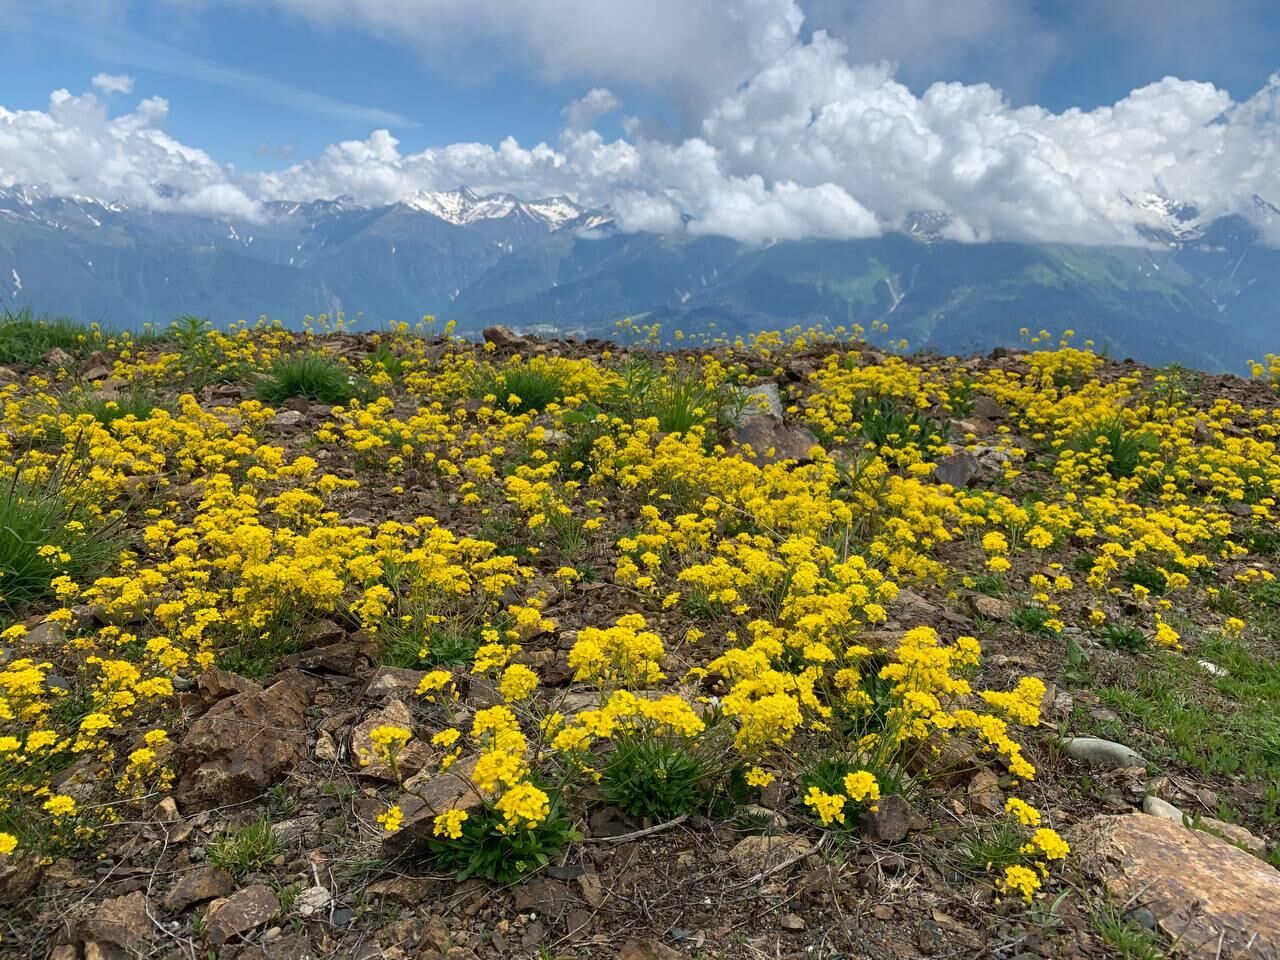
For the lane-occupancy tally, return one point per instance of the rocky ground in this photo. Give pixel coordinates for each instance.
(255, 829)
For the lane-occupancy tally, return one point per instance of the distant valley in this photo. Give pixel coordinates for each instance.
(1203, 293)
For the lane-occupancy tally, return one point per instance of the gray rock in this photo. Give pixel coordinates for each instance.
(763, 400)
(957, 470)
(1161, 808)
(988, 409)
(393, 682)
(288, 420)
(313, 900)
(1102, 753)
(892, 820)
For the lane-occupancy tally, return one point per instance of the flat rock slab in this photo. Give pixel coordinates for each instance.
(205, 882)
(1217, 900)
(122, 921)
(240, 913)
(758, 854)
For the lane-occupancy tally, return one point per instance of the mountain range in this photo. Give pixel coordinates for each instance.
(1203, 292)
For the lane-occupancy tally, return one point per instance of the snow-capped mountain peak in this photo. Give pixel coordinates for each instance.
(1166, 220)
(463, 206)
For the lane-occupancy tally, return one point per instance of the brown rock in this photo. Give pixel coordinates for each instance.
(771, 441)
(326, 750)
(244, 744)
(757, 854)
(8, 376)
(647, 950)
(978, 426)
(432, 795)
(388, 682)
(18, 877)
(988, 409)
(985, 796)
(347, 659)
(504, 338)
(240, 913)
(1233, 833)
(992, 608)
(412, 758)
(205, 882)
(57, 357)
(216, 684)
(1214, 898)
(322, 633)
(121, 921)
(891, 820)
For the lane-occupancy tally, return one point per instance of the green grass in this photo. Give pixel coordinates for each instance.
(679, 397)
(1227, 726)
(415, 647)
(36, 516)
(518, 387)
(245, 850)
(1125, 449)
(1128, 940)
(136, 402)
(987, 848)
(1033, 619)
(311, 375)
(1116, 636)
(654, 776)
(26, 338)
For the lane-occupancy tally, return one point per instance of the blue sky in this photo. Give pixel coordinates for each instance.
(756, 119)
(438, 99)
(1061, 55)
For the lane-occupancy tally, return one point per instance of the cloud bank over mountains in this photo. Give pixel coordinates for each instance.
(783, 134)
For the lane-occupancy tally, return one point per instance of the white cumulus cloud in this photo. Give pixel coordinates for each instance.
(113, 82)
(787, 134)
(587, 109)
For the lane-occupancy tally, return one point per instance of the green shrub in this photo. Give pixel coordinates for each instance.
(679, 397)
(884, 423)
(988, 847)
(518, 386)
(828, 775)
(1124, 450)
(647, 775)
(416, 645)
(1117, 636)
(1141, 575)
(311, 375)
(1033, 619)
(488, 848)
